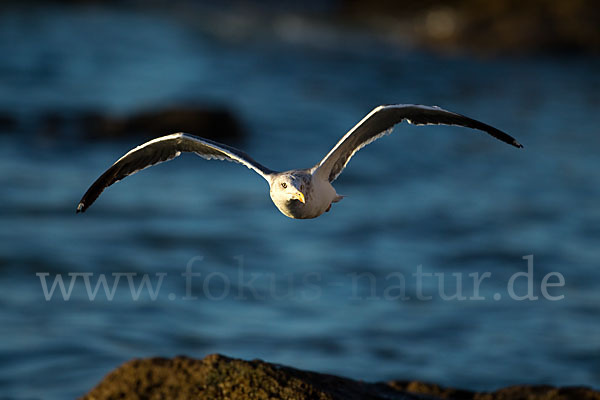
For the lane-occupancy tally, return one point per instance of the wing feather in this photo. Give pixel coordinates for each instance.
(163, 149)
(382, 120)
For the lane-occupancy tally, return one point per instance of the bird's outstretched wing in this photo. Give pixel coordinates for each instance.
(162, 149)
(380, 122)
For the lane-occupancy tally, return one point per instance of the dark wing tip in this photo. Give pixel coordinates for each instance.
(94, 191)
(80, 208)
(516, 144)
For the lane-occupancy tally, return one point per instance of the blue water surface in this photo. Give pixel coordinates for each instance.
(323, 294)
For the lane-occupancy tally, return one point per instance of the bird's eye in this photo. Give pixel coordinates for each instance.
(284, 185)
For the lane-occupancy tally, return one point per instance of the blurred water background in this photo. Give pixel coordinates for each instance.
(444, 198)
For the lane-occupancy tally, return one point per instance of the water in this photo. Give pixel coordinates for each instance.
(296, 292)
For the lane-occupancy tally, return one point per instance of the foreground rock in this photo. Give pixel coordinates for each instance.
(220, 377)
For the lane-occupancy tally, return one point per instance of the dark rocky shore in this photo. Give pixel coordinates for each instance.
(211, 121)
(220, 377)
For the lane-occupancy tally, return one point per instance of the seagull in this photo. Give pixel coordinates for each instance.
(298, 193)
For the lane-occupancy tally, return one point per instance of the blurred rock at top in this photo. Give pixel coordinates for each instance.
(117, 78)
(483, 27)
(506, 26)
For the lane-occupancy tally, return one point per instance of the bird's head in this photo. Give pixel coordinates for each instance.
(288, 187)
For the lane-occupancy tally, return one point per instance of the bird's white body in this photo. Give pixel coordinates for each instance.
(300, 193)
(317, 194)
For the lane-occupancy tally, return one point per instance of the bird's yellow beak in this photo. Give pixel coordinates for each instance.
(300, 196)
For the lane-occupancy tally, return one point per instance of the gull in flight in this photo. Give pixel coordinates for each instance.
(299, 193)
